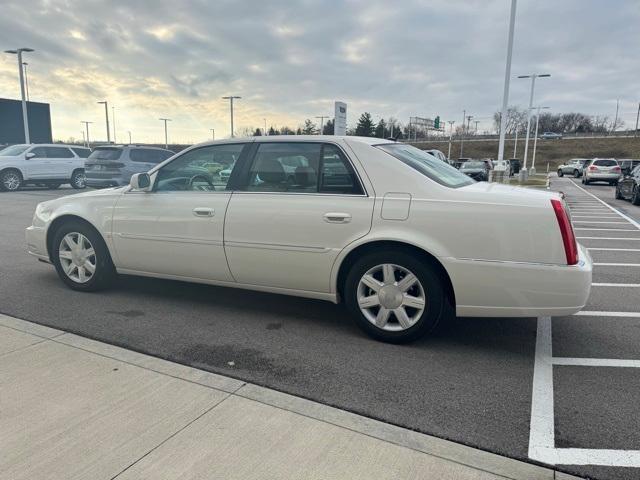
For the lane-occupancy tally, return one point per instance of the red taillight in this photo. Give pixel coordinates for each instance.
(566, 230)
(592, 168)
(617, 169)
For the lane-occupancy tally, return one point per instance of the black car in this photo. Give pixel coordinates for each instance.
(458, 163)
(628, 187)
(627, 165)
(476, 169)
(515, 165)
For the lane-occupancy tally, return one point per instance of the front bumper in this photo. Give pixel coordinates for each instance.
(511, 289)
(36, 238)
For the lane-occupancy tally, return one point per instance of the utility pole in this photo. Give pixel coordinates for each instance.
(507, 79)
(113, 116)
(469, 117)
(451, 122)
(515, 144)
(86, 125)
(464, 116)
(166, 137)
(129, 132)
(231, 98)
(322, 117)
(635, 134)
(106, 114)
(265, 127)
(25, 118)
(213, 133)
(615, 122)
(533, 76)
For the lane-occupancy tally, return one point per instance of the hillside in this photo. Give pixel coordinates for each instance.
(553, 151)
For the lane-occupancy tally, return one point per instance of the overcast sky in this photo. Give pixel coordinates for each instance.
(290, 60)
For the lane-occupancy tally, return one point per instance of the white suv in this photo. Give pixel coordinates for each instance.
(48, 165)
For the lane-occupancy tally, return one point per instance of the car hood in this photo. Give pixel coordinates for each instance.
(105, 192)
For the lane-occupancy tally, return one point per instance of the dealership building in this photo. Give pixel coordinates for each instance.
(12, 126)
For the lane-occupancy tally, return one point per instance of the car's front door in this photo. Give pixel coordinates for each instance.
(177, 228)
(285, 228)
(36, 164)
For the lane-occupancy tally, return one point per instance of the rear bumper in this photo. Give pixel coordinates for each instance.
(36, 238)
(603, 176)
(509, 289)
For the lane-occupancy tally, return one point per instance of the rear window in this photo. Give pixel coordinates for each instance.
(426, 164)
(605, 163)
(82, 152)
(106, 153)
(473, 165)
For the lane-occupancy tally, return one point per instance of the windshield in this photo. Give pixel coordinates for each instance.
(13, 150)
(472, 165)
(426, 164)
(107, 153)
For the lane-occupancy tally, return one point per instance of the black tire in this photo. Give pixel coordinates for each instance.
(618, 195)
(585, 181)
(560, 173)
(104, 270)
(635, 198)
(11, 180)
(428, 278)
(78, 180)
(576, 174)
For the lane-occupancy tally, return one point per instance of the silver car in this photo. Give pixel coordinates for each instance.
(573, 167)
(602, 170)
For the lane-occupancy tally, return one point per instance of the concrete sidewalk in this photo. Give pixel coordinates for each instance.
(74, 408)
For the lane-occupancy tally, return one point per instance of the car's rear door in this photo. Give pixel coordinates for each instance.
(61, 162)
(286, 232)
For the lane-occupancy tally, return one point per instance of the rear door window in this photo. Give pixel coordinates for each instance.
(58, 152)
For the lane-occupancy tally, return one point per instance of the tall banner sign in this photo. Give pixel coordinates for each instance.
(340, 119)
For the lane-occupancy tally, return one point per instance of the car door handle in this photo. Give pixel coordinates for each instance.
(203, 212)
(337, 217)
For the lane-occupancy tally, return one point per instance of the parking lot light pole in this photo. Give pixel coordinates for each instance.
(213, 133)
(535, 140)
(451, 122)
(533, 76)
(166, 137)
(464, 116)
(25, 118)
(106, 115)
(86, 125)
(507, 79)
(129, 132)
(231, 98)
(113, 116)
(26, 78)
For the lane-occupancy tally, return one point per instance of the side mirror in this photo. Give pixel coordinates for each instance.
(29, 155)
(140, 181)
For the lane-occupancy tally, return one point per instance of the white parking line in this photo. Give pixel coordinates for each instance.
(606, 264)
(596, 362)
(614, 249)
(621, 285)
(591, 313)
(626, 217)
(608, 229)
(598, 222)
(631, 239)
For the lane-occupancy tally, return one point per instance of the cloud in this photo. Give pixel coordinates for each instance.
(290, 60)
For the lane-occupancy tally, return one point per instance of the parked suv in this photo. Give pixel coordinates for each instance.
(629, 186)
(113, 165)
(48, 165)
(602, 170)
(574, 167)
(627, 165)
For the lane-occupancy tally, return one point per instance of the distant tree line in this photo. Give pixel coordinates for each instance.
(571, 122)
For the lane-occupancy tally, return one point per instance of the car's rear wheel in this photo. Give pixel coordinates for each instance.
(394, 296)
(81, 257)
(576, 173)
(635, 198)
(78, 179)
(10, 180)
(560, 173)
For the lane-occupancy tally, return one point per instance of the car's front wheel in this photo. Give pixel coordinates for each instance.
(10, 180)
(394, 296)
(560, 173)
(635, 198)
(81, 257)
(78, 179)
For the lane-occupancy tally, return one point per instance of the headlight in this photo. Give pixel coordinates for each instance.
(42, 214)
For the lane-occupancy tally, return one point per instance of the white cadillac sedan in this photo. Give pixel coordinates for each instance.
(396, 235)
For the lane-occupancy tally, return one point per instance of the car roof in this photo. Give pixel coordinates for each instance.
(300, 138)
(109, 145)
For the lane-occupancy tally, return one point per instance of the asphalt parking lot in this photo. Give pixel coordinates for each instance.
(562, 390)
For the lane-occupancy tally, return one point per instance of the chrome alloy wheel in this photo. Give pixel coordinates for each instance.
(79, 180)
(391, 297)
(11, 181)
(77, 257)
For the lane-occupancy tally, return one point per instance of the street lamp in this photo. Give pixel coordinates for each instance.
(507, 79)
(535, 140)
(533, 77)
(25, 118)
(26, 78)
(231, 98)
(166, 138)
(113, 116)
(86, 124)
(129, 132)
(265, 127)
(106, 115)
(322, 117)
(451, 122)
